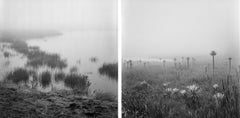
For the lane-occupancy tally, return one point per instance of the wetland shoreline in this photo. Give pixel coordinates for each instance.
(25, 102)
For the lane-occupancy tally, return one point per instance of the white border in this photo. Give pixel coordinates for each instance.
(119, 29)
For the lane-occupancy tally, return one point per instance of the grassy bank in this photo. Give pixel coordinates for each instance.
(152, 91)
(63, 104)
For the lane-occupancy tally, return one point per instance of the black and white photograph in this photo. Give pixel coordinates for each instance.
(119, 59)
(180, 59)
(58, 59)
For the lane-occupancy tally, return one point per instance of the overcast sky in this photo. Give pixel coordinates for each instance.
(169, 28)
(58, 14)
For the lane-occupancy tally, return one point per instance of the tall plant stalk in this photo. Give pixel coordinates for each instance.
(213, 54)
(230, 65)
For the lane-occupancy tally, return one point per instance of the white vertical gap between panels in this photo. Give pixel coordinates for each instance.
(119, 58)
(238, 30)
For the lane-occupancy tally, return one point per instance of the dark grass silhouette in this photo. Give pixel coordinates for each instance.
(94, 59)
(110, 70)
(39, 58)
(77, 81)
(18, 75)
(45, 79)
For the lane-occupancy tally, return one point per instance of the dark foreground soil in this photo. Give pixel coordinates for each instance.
(15, 103)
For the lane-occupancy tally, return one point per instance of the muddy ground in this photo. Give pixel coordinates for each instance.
(16, 103)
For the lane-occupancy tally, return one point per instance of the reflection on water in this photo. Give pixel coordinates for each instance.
(85, 52)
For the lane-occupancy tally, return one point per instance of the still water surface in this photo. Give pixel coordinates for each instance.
(77, 47)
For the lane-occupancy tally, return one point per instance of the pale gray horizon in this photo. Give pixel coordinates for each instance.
(58, 14)
(176, 28)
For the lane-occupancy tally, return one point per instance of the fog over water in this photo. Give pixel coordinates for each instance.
(58, 14)
(88, 30)
(175, 28)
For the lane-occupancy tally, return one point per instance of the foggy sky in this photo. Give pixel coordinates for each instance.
(58, 14)
(170, 28)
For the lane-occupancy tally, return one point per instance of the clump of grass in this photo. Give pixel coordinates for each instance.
(73, 69)
(39, 58)
(93, 59)
(18, 75)
(45, 79)
(110, 70)
(60, 76)
(77, 81)
(6, 54)
(104, 96)
(19, 46)
(229, 104)
(134, 105)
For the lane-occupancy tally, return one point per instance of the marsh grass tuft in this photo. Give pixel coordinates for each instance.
(73, 69)
(110, 70)
(77, 81)
(46, 79)
(39, 58)
(18, 75)
(93, 59)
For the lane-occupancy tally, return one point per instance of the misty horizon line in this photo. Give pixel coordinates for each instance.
(57, 29)
(197, 57)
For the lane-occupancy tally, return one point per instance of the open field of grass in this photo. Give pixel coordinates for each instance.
(158, 90)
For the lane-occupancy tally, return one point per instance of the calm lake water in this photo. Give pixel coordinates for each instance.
(77, 47)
